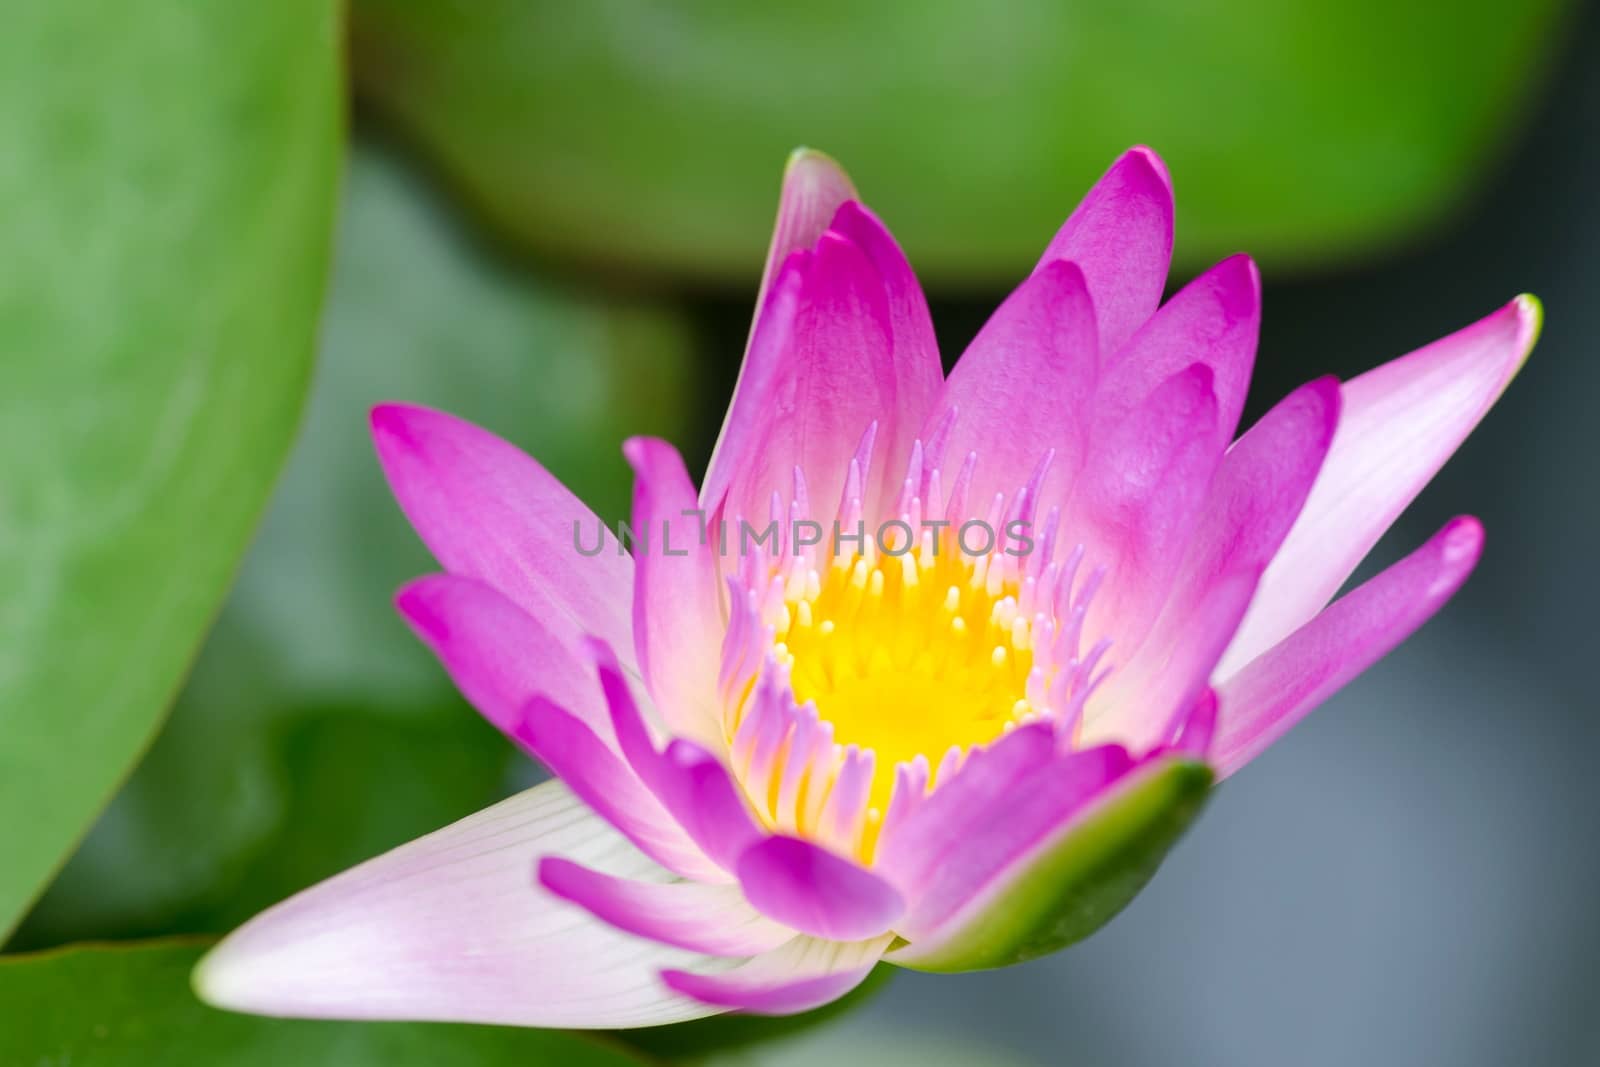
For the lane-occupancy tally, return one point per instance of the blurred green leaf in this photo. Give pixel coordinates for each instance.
(316, 731)
(626, 132)
(131, 1005)
(167, 181)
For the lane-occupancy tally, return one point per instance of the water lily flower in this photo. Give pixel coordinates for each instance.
(927, 670)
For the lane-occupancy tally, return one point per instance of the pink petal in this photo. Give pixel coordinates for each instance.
(772, 337)
(488, 511)
(1139, 498)
(499, 655)
(1121, 235)
(713, 919)
(677, 613)
(803, 885)
(1259, 703)
(610, 787)
(909, 851)
(1214, 320)
(813, 188)
(689, 782)
(802, 975)
(447, 928)
(1022, 386)
(1399, 424)
(1037, 808)
(918, 374)
(836, 379)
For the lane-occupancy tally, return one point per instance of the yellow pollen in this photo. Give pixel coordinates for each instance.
(913, 655)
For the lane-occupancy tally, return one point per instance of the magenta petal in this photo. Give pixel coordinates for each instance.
(713, 919)
(1214, 320)
(838, 378)
(498, 654)
(918, 374)
(804, 974)
(691, 783)
(1139, 498)
(576, 756)
(696, 788)
(909, 851)
(1262, 701)
(488, 511)
(1022, 386)
(1399, 424)
(803, 885)
(771, 340)
(1121, 235)
(1031, 813)
(813, 188)
(677, 614)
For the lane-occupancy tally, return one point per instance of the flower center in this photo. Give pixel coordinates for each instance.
(910, 655)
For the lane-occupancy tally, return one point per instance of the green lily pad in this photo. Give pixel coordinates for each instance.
(622, 133)
(166, 204)
(128, 1006)
(1079, 882)
(226, 810)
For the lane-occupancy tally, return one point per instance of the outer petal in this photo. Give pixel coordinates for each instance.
(1071, 846)
(448, 928)
(1259, 704)
(1399, 424)
(1021, 388)
(714, 919)
(803, 975)
(1259, 489)
(488, 511)
(1121, 235)
(813, 188)
(499, 655)
(677, 613)
(803, 885)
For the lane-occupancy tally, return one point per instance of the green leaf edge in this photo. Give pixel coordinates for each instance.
(1083, 880)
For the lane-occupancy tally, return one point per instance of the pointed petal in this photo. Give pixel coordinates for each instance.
(1214, 320)
(918, 374)
(803, 885)
(713, 919)
(813, 188)
(1021, 388)
(488, 511)
(499, 655)
(805, 974)
(1121, 235)
(1259, 703)
(448, 928)
(836, 379)
(677, 613)
(1399, 424)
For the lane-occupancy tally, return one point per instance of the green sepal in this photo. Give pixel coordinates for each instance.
(1079, 882)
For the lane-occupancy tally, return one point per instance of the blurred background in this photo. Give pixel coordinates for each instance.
(550, 219)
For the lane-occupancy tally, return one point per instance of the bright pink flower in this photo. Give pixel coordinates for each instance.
(1063, 601)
